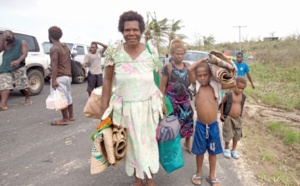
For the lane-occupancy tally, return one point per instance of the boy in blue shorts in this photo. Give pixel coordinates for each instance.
(207, 137)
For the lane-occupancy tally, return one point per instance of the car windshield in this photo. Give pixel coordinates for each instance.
(70, 46)
(47, 46)
(194, 56)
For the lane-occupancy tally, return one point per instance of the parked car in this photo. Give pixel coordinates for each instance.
(78, 51)
(192, 56)
(37, 63)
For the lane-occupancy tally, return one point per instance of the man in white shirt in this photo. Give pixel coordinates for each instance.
(93, 61)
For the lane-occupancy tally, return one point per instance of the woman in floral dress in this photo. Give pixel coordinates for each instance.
(174, 83)
(137, 102)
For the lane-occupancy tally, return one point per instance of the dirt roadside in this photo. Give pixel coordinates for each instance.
(266, 158)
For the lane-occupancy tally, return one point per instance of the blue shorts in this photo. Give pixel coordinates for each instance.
(207, 137)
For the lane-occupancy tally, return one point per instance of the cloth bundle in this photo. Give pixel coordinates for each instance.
(221, 74)
(169, 146)
(109, 146)
(168, 129)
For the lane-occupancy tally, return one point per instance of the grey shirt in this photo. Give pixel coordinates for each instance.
(93, 61)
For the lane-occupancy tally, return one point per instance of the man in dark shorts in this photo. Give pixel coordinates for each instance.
(12, 68)
(93, 61)
(61, 73)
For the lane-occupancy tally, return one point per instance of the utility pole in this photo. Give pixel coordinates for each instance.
(240, 35)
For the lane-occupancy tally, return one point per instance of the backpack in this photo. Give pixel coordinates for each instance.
(76, 68)
(228, 103)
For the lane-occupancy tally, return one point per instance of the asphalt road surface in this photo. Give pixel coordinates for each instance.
(33, 152)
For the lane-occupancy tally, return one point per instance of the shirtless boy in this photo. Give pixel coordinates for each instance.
(207, 129)
(231, 115)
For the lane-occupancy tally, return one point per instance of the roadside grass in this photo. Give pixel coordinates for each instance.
(273, 147)
(277, 86)
(289, 135)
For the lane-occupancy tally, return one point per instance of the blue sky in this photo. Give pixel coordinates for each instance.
(89, 20)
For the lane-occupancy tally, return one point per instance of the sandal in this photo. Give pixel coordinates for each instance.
(196, 178)
(213, 182)
(59, 122)
(227, 153)
(3, 108)
(235, 155)
(27, 103)
(72, 119)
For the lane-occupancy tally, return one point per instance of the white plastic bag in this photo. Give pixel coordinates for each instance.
(56, 100)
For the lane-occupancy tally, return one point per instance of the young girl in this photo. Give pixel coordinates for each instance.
(174, 84)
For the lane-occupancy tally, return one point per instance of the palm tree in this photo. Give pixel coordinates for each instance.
(149, 27)
(158, 31)
(175, 27)
(207, 41)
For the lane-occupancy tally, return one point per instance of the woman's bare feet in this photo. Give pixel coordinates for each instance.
(60, 122)
(150, 182)
(187, 145)
(137, 182)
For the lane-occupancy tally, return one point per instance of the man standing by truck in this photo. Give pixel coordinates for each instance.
(12, 68)
(93, 61)
(61, 73)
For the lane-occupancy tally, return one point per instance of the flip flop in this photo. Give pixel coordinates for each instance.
(235, 155)
(28, 103)
(227, 153)
(197, 178)
(3, 108)
(213, 182)
(59, 122)
(72, 119)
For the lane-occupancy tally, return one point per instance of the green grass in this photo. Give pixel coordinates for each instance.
(283, 179)
(276, 85)
(263, 176)
(290, 135)
(267, 156)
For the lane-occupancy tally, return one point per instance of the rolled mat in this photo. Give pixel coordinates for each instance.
(108, 145)
(119, 142)
(221, 74)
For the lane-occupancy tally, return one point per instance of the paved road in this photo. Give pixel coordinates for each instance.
(32, 152)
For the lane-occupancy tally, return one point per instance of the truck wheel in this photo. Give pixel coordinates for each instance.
(36, 82)
(78, 79)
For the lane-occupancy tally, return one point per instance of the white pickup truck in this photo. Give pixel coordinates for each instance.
(78, 51)
(37, 63)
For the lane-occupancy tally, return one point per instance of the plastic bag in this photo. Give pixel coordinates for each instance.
(170, 154)
(56, 100)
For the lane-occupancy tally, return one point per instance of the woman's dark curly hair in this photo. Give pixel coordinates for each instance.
(131, 16)
(55, 32)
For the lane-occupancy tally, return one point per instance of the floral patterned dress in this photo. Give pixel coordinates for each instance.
(137, 106)
(177, 91)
